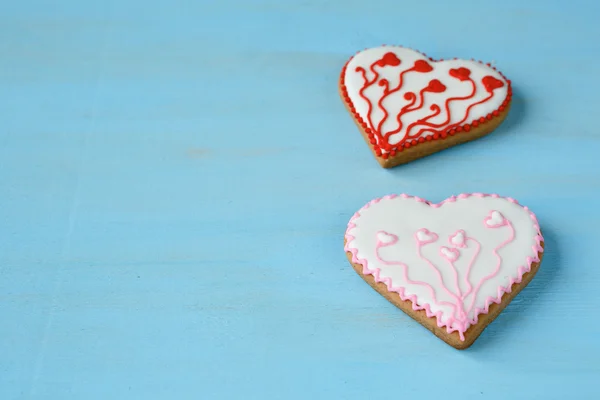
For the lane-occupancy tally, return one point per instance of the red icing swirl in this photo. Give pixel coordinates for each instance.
(415, 102)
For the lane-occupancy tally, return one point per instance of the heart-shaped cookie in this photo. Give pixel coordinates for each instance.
(452, 266)
(409, 106)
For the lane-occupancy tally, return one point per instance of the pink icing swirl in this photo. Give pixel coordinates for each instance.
(404, 267)
(458, 322)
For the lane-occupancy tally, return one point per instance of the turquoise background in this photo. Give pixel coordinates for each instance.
(176, 178)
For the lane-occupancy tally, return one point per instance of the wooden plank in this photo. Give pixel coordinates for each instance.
(176, 178)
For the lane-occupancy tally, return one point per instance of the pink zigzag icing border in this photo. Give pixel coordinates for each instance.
(522, 270)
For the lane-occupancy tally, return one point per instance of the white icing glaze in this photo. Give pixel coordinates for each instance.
(414, 82)
(405, 220)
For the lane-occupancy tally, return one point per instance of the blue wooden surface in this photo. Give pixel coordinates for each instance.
(176, 178)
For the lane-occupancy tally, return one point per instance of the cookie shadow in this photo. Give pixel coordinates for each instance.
(527, 302)
(515, 118)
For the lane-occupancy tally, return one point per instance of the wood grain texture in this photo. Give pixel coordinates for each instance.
(176, 175)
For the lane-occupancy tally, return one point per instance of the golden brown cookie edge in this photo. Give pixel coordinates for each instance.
(430, 147)
(430, 323)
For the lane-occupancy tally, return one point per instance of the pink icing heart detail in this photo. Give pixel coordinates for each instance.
(424, 236)
(457, 282)
(495, 220)
(457, 239)
(386, 239)
(449, 254)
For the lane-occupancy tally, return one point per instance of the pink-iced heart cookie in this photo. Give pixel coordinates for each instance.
(408, 105)
(452, 266)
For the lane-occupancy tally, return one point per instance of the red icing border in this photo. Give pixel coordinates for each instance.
(451, 132)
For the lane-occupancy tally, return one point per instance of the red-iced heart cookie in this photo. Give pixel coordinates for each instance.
(409, 106)
(452, 266)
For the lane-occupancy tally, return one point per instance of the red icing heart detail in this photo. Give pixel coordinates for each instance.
(490, 83)
(452, 98)
(422, 66)
(435, 86)
(389, 59)
(461, 73)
